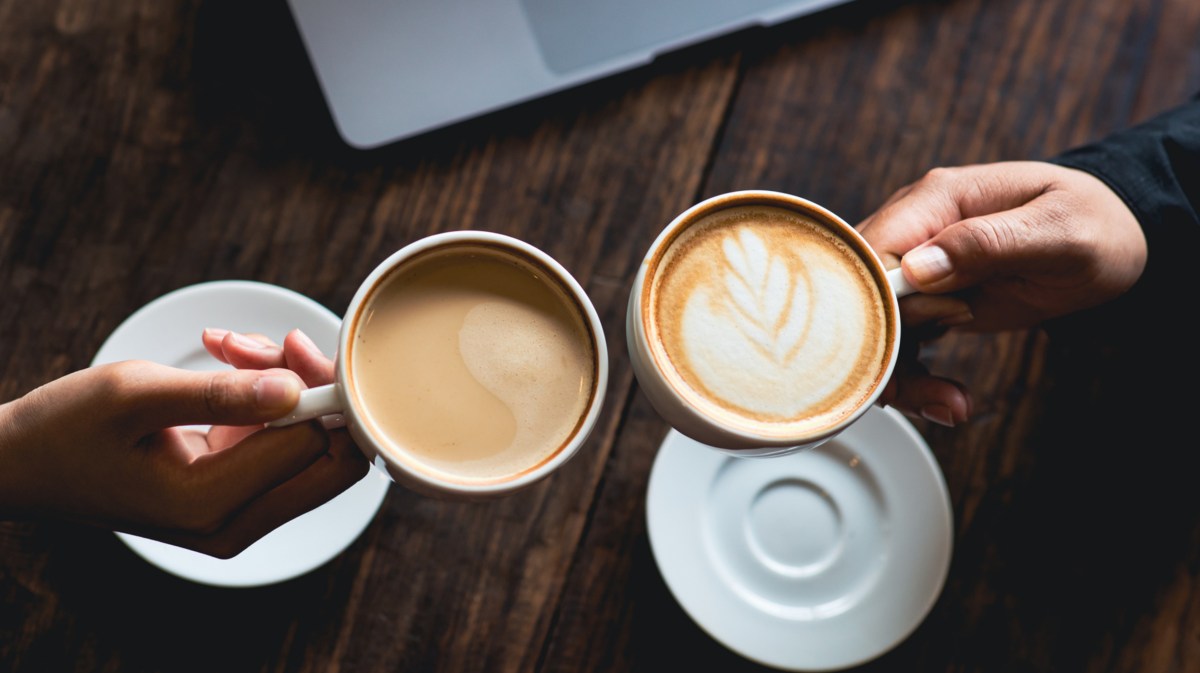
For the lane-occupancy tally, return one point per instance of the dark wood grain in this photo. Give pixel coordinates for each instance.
(149, 146)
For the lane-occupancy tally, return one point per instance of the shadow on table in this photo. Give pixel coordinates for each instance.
(125, 613)
(1080, 559)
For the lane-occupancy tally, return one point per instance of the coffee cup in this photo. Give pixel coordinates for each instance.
(760, 323)
(470, 364)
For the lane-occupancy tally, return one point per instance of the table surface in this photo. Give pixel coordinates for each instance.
(146, 146)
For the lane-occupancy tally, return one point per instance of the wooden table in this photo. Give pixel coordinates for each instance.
(146, 146)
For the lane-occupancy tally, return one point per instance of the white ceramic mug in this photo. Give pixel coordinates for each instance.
(336, 405)
(664, 392)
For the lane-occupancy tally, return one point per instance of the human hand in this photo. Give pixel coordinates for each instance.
(111, 446)
(994, 247)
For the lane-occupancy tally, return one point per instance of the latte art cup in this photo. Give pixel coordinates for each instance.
(761, 323)
(339, 404)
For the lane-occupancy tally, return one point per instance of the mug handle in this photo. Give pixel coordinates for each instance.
(900, 285)
(320, 402)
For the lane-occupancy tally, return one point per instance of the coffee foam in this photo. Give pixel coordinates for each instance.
(473, 365)
(541, 382)
(768, 321)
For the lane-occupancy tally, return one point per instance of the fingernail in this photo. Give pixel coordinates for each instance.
(957, 320)
(215, 332)
(928, 264)
(246, 342)
(938, 413)
(273, 392)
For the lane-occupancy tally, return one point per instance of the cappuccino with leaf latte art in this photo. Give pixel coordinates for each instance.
(768, 320)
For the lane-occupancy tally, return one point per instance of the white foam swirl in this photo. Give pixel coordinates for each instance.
(775, 334)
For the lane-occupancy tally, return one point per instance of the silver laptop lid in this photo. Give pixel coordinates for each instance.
(391, 69)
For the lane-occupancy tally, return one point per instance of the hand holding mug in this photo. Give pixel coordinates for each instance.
(117, 446)
(994, 247)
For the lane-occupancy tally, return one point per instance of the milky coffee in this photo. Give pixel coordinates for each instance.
(472, 363)
(767, 320)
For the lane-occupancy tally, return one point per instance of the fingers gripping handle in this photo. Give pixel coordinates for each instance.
(320, 402)
(900, 285)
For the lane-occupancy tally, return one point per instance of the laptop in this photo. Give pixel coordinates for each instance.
(393, 69)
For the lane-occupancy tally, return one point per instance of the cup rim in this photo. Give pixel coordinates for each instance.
(592, 323)
(742, 436)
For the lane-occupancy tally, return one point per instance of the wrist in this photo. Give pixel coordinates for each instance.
(1119, 241)
(15, 495)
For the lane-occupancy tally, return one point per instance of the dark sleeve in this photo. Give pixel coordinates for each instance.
(1155, 168)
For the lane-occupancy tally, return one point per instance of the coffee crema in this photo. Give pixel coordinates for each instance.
(767, 320)
(473, 364)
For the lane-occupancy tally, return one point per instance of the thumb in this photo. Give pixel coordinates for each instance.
(159, 396)
(974, 250)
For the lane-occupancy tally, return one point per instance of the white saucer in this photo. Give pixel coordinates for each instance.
(167, 330)
(813, 561)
